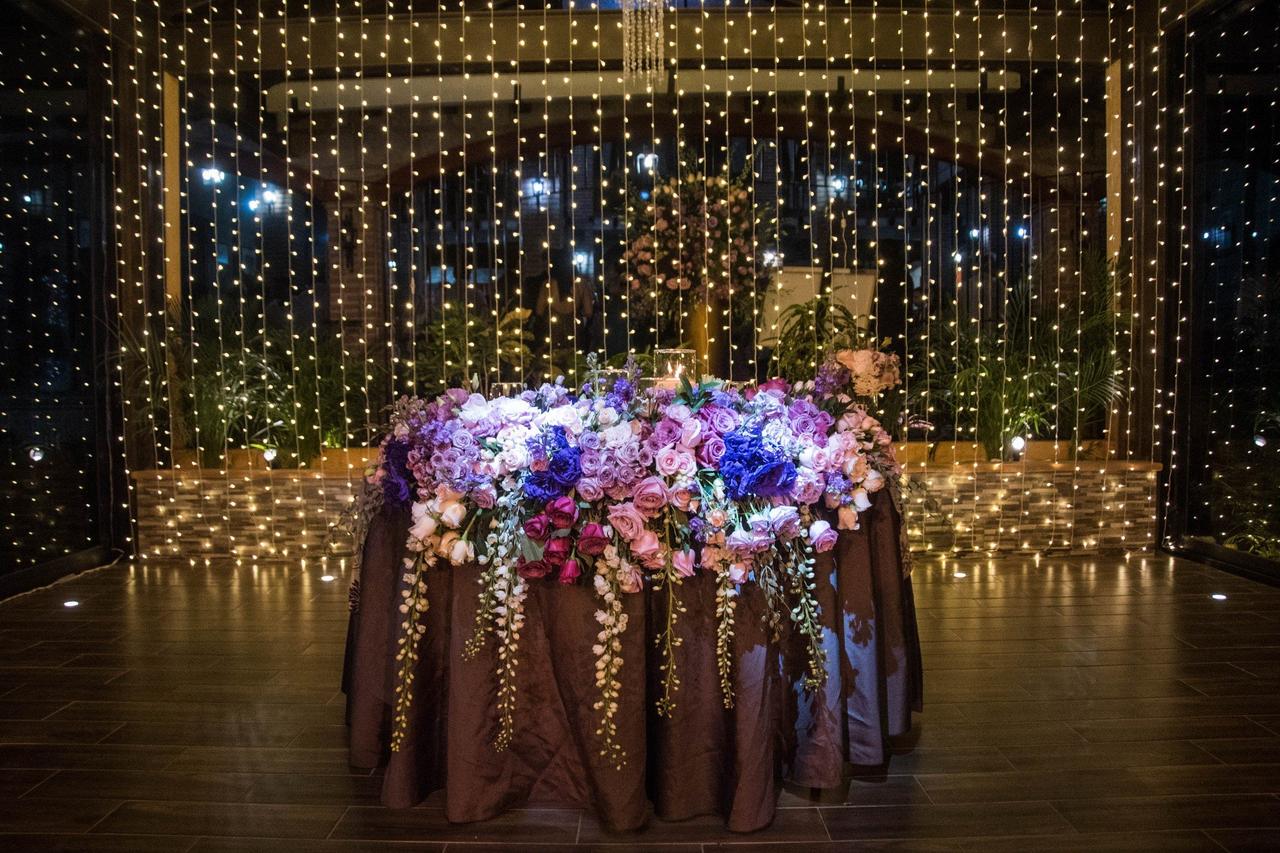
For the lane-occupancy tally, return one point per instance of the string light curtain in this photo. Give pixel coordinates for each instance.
(340, 202)
(51, 418)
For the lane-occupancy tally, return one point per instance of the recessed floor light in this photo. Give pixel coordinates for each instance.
(960, 575)
(327, 578)
(1219, 596)
(71, 603)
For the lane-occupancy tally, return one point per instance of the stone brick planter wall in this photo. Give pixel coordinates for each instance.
(961, 508)
(1032, 507)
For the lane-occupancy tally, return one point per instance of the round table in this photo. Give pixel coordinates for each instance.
(701, 759)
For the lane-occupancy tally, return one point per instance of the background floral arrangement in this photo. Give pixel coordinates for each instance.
(695, 230)
(623, 488)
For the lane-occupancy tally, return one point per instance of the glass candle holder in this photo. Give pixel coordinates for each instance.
(672, 365)
(603, 379)
(505, 389)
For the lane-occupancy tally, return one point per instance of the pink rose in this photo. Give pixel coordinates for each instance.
(533, 569)
(647, 548)
(808, 488)
(569, 571)
(557, 550)
(691, 432)
(538, 528)
(784, 521)
(591, 540)
(484, 496)
(669, 461)
(683, 499)
(847, 518)
(562, 511)
(678, 412)
(684, 563)
(630, 579)
(650, 496)
(738, 572)
(627, 520)
(822, 536)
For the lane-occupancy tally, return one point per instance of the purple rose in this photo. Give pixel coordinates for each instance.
(785, 522)
(666, 432)
(484, 496)
(718, 419)
(822, 536)
(589, 440)
(710, 451)
(589, 489)
(807, 489)
(590, 462)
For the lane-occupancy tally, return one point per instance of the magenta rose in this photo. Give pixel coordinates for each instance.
(591, 539)
(557, 550)
(650, 496)
(563, 512)
(533, 569)
(627, 520)
(538, 528)
(569, 571)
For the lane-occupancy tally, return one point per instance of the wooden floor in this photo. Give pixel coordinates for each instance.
(1105, 705)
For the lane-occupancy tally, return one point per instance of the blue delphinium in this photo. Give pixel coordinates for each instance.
(563, 469)
(751, 468)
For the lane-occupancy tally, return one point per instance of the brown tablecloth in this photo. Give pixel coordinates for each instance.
(702, 759)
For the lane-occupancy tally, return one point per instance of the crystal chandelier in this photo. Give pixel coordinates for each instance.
(642, 40)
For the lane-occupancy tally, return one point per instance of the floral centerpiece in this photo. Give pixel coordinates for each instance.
(624, 490)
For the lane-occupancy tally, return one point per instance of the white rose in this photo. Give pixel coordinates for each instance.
(607, 416)
(873, 482)
(453, 513)
(424, 527)
(861, 499)
(462, 552)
